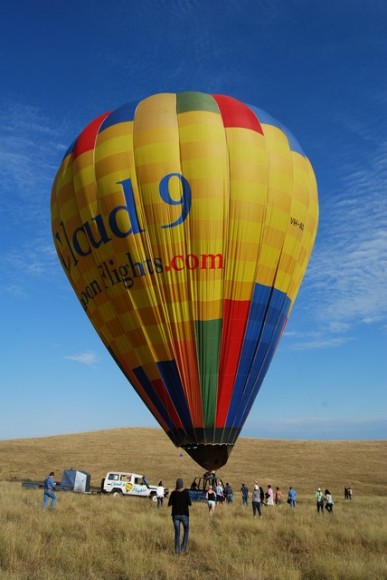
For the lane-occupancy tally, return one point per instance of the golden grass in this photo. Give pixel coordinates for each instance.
(98, 536)
(303, 464)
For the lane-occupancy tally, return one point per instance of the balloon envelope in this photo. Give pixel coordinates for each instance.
(185, 223)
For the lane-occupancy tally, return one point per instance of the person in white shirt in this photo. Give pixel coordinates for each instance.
(329, 501)
(160, 494)
(219, 493)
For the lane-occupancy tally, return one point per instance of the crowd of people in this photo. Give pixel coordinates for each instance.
(180, 500)
(268, 498)
(259, 497)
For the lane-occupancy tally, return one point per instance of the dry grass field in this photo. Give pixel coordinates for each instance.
(103, 537)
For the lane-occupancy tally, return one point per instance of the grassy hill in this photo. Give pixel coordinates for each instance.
(303, 464)
(95, 537)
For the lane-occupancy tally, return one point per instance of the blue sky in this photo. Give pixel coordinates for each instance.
(318, 67)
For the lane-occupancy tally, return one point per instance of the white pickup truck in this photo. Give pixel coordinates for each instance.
(122, 483)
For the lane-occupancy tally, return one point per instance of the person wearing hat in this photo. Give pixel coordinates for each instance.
(319, 500)
(180, 501)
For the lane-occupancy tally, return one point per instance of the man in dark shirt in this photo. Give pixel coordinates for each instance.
(245, 494)
(179, 500)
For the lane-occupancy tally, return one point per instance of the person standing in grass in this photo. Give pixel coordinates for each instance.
(228, 492)
(160, 494)
(278, 497)
(319, 500)
(49, 493)
(219, 493)
(328, 501)
(269, 496)
(256, 501)
(292, 497)
(180, 501)
(245, 494)
(211, 500)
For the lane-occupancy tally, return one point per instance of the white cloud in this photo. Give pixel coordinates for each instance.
(326, 420)
(347, 277)
(15, 290)
(28, 261)
(28, 153)
(340, 428)
(317, 343)
(87, 358)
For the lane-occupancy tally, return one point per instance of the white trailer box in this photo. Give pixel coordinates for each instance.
(75, 480)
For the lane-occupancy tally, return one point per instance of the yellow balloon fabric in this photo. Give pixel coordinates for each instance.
(185, 223)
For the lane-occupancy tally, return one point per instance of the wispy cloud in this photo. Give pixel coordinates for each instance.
(323, 339)
(88, 358)
(347, 277)
(14, 290)
(339, 428)
(28, 261)
(30, 152)
(29, 149)
(297, 421)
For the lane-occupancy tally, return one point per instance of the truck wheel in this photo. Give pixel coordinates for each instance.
(153, 497)
(116, 492)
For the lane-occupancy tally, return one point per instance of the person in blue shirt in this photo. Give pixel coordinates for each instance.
(49, 493)
(292, 497)
(245, 494)
(228, 493)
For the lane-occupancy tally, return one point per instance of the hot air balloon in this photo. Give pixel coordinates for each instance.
(185, 223)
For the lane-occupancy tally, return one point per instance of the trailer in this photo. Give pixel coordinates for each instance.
(72, 480)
